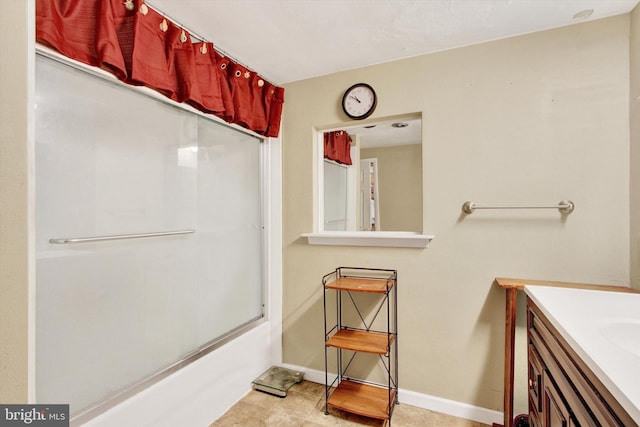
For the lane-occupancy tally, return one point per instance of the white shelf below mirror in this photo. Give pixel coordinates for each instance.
(398, 239)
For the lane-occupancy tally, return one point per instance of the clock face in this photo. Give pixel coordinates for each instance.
(359, 101)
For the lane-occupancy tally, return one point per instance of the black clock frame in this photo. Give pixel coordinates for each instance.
(371, 110)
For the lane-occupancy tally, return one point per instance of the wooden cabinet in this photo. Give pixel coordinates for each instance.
(360, 325)
(563, 391)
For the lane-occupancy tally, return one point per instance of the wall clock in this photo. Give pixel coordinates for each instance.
(359, 101)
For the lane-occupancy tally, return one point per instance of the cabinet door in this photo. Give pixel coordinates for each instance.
(535, 379)
(534, 420)
(554, 411)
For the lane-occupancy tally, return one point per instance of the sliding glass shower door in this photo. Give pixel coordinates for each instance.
(149, 234)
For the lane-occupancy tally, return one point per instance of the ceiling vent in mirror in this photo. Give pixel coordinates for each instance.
(583, 14)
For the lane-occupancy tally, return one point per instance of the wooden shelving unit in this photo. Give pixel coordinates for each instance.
(344, 391)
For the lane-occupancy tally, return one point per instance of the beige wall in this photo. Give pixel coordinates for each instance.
(400, 186)
(527, 120)
(16, 81)
(634, 122)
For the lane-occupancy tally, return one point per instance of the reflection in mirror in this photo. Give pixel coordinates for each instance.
(372, 177)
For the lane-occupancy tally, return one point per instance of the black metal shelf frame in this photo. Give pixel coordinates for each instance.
(387, 305)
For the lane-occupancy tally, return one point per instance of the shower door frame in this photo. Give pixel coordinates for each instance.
(271, 196)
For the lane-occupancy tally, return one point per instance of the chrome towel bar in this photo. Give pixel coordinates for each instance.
(69, 240)
(565, 207)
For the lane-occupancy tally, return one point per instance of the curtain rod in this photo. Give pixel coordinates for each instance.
(199, 37)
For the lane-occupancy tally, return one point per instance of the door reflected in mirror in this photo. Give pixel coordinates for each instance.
(377, 186)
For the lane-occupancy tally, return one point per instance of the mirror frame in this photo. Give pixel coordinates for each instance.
(358, 238)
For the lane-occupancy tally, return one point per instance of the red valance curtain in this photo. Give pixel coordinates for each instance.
(141, 47)
(337, 147)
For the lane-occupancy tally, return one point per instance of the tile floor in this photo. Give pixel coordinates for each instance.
(304, 406)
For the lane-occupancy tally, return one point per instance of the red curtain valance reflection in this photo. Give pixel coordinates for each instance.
(141, 47)
(337, 147)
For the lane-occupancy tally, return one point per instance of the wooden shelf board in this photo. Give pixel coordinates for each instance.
(363, 399)
(359, 284)
(354, 340)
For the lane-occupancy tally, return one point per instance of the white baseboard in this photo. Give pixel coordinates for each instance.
(424, 401)
(450, 407)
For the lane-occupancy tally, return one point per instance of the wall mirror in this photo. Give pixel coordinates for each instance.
(381, 189)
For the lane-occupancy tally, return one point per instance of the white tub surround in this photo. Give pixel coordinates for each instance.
(603, 328)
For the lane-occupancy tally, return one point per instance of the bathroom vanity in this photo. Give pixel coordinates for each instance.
(583, 357)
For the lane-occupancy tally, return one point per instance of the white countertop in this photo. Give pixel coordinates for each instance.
(604, 330)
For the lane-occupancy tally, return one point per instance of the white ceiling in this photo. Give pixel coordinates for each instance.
(383, 134)
(289, 40)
